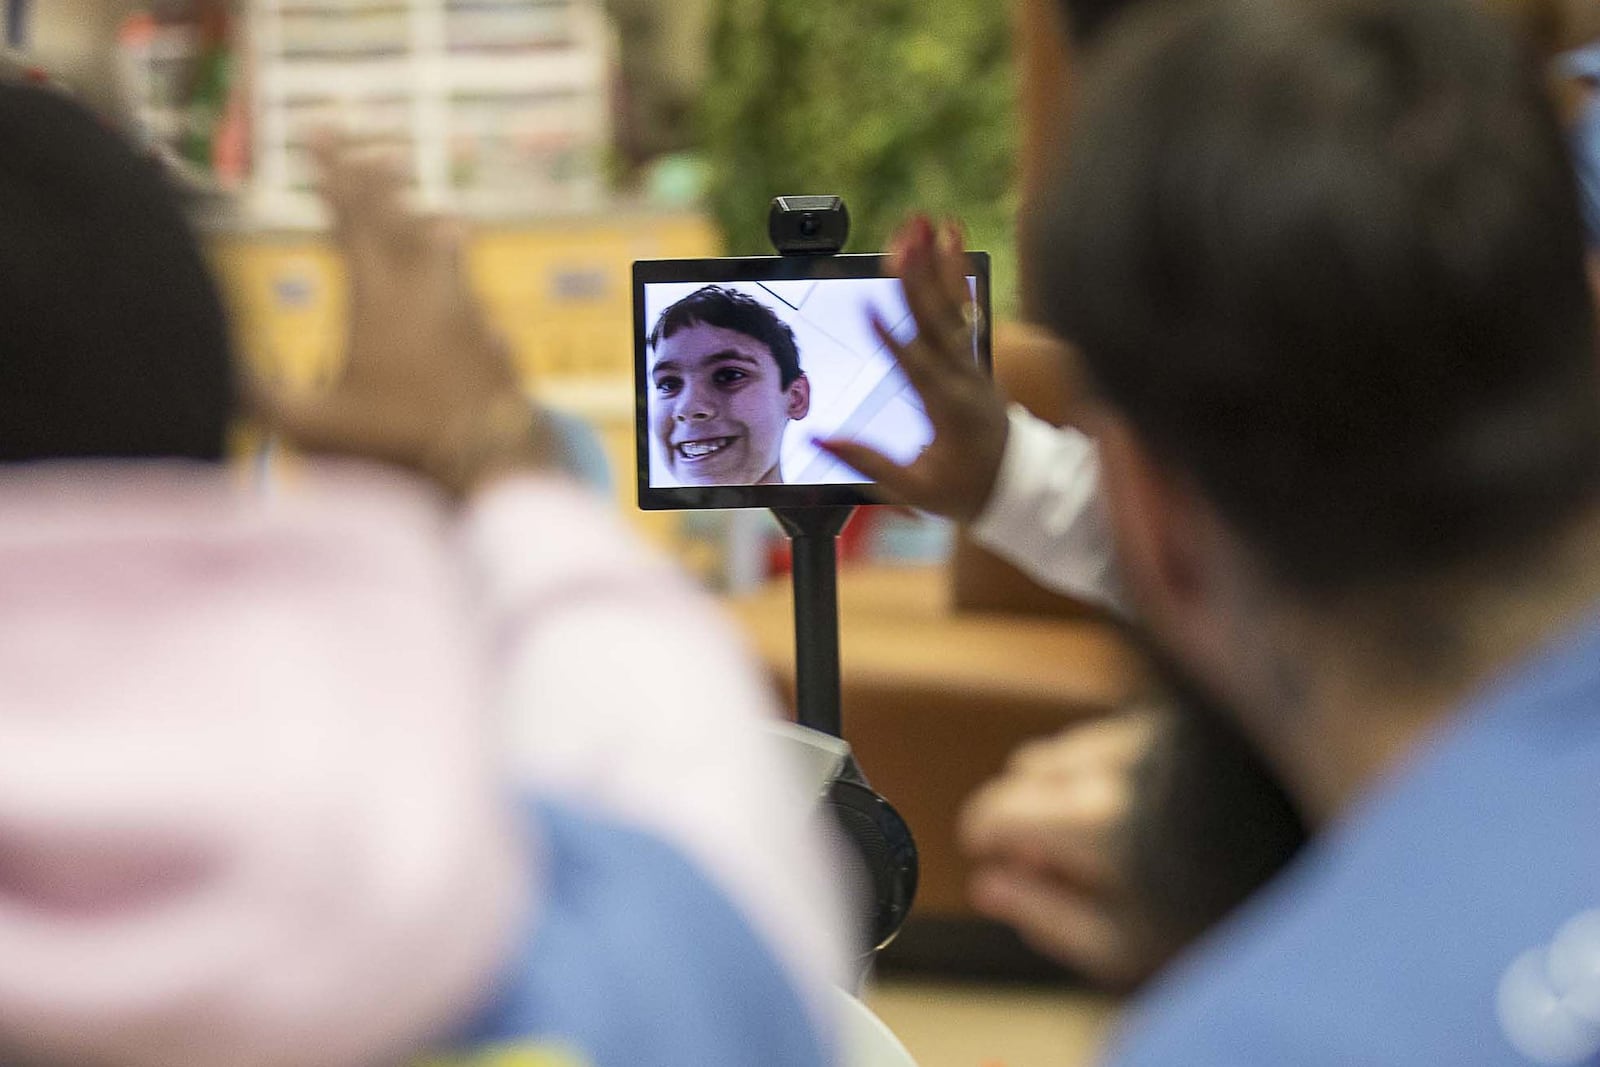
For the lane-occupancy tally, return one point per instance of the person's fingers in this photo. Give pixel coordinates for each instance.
(397, 231)
(259, 400)
(430, 254)
(1063, 757)
(499, 360)
(953, 270)
(941, 324)
(341, 424)
(448, 236)
(1019, 821)
(894, 484)
(919, 275)
(1070, 927)
(1113, 743)
(953, 264)
(363, 190)
(1037, 755)
(1069, 828)
(339, 181)
(310, 423)
(418, 238)
(898, 245)
(926, 372)
(1122, 738)
(326, 146)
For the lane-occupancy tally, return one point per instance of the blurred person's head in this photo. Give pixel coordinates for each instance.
(726, 382)
(1553, 24)
(1549, 26)
(1325, 264)
(113, 340)
(247, 875)
(1580, 22)
(1086, 21)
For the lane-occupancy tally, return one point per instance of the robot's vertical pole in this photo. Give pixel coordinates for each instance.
(814, 537)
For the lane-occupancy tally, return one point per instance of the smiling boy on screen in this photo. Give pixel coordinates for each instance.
(727, 382)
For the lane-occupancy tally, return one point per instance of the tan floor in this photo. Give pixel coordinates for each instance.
(961, 1025)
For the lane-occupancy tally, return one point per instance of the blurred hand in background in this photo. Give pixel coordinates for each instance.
(1050, 840)
(427, 384)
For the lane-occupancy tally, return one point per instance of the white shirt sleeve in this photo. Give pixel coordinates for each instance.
(1046, 515)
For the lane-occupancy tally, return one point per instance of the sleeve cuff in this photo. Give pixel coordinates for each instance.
(1037, 455)
(1045, 515)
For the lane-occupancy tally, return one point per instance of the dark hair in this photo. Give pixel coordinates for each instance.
(1209, 820)
(1088, 20)
(730, 310)
(113, 340)
(1326, 256)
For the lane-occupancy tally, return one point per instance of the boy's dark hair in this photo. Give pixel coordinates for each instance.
(730, 310)
(113, 341)
(1327, 257)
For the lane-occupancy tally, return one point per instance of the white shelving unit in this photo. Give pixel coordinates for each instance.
(155, 68)
(500, 108)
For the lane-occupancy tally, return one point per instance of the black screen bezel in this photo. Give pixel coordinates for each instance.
(759, 269)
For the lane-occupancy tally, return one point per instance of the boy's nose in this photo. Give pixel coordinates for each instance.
(696, 407)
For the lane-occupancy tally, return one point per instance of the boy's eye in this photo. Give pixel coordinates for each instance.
(729, 376)
(669, 385)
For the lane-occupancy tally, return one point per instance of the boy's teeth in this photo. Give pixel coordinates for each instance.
(699, 449)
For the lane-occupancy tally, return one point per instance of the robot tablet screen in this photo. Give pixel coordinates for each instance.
(742, 364)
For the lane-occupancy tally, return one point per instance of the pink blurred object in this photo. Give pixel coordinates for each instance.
(258, 754)
(248, 809)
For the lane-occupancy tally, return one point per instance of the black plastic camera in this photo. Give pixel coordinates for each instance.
(808, 225)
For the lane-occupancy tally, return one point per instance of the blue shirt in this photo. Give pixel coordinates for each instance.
(1450, 920)
(635, 958)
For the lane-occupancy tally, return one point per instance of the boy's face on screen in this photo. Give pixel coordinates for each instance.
(720, 406)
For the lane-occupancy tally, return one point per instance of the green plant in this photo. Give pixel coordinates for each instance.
(899, 106)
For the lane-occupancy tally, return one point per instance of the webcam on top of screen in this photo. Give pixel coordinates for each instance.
(808, 225)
